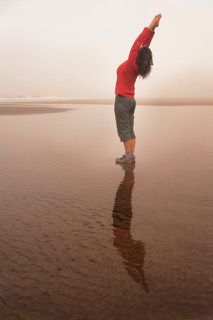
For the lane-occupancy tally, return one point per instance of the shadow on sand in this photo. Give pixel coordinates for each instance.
(132, 251)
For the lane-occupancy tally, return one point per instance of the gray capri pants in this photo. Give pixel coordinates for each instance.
(124, 109)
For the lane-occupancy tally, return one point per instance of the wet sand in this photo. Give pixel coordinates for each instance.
(28, 109)
(83, 238)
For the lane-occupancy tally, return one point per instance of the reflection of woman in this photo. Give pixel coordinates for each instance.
(138, 63)
(132, 251)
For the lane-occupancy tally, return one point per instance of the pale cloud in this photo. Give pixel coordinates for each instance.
(72, 48)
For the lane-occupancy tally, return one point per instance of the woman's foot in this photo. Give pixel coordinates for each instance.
(126, 158)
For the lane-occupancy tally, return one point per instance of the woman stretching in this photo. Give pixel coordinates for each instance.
(138, 64)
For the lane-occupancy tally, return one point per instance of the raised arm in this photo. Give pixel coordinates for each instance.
(144, 39)
(155, 22)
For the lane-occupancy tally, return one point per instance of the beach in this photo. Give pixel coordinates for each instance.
(83, 238)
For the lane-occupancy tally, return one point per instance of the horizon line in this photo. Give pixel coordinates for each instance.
(106, 101)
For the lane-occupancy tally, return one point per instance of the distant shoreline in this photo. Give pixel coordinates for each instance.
(105, 101)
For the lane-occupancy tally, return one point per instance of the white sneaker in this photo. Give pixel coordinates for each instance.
(124, 159)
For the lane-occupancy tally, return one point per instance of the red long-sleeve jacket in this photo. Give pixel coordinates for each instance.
(127, 72)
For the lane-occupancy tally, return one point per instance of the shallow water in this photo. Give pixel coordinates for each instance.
(83, 238)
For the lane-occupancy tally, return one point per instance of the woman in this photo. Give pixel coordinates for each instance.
(138, 64)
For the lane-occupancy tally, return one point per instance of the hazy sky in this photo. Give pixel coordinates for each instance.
(72, 48)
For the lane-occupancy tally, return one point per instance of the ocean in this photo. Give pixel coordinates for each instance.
(83, 238)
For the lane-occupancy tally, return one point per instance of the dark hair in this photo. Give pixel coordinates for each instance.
(144, 61)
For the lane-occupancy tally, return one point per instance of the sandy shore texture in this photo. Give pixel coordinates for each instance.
(83, 238)
(28, 109)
